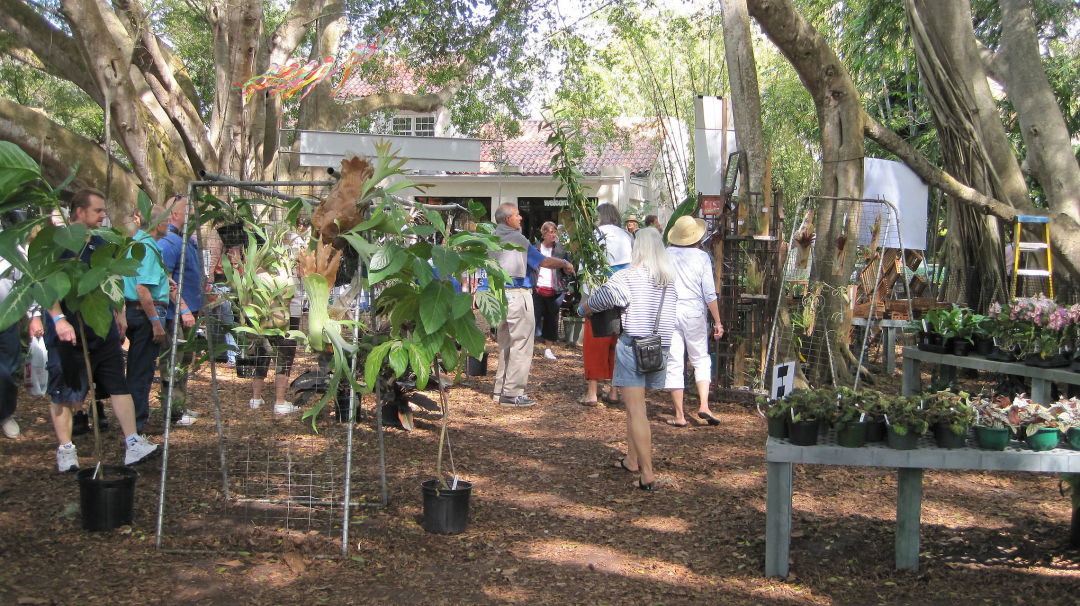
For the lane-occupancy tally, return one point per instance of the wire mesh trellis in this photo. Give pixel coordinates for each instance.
(877, 289)
(249, 470)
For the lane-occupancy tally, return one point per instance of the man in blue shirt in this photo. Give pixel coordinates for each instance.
(516, 333)
(172, 246)
(147, 294)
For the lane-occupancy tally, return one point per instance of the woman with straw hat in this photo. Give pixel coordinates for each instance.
(697, 292)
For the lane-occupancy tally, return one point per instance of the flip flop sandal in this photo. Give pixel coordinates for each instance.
(674, 424)
(621, 464)
(650, 487)
(586, 402)
(709, 418)
(609, 400)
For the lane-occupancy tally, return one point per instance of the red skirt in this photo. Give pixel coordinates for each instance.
(599, 354)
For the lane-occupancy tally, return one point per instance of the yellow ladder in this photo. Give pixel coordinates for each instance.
(1020, 247)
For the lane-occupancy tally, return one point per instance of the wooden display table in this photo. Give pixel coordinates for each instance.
(780, 456)
(1041, 378)
(888, 337)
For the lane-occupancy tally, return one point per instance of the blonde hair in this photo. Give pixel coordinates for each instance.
(649, 252)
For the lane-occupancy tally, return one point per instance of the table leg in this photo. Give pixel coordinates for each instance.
(778, 520)
(908, 516)
(888, 341)
(912, 379)
(1040, 391)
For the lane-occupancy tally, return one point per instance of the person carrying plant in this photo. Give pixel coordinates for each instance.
(697, 293)
(172, 247)
(517, 332)
(146, 295)
(62, 333)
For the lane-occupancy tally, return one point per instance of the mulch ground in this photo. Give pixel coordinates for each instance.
(552, 522)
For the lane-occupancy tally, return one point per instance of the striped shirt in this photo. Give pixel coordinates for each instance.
(693, 277)
(633, 289)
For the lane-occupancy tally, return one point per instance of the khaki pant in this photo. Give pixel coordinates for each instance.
(515, 338)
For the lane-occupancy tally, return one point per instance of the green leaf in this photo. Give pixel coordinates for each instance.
(436, 219)
(491, 306)
(91, 280)
(144, 204)
(96, 312)
(387, 261)
(449, 353)
(420, 361)
(435, 305)
(446, 261)
(469, 336)
(124, 267)
(16, 304)
(399, 358)
(16, 169)
(373, 364)
(422, 272)
(461, 304)
(318, 292)
(71, 237)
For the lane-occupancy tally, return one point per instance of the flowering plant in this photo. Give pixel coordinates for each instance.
(1037, 324)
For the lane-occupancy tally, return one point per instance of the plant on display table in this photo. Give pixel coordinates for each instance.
(851, 417)
(1041, 329)
(951, 415)
(995, 420)
(907, 421)
(1042, 425)
(775, 413)
(807, 409)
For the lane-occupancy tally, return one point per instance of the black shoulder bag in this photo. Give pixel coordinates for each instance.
(649, 351)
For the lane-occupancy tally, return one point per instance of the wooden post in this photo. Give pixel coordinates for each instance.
(778, 520)
(908, 517)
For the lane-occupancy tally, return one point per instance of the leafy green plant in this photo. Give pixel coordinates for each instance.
(906, 415)
(996, 412)
(772, 409)
(951, 408)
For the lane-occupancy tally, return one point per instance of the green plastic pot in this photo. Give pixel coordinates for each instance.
(851, 434)
(777, 427)
(908, 441)
(1073, 437)
(991, 438)
(1043, 439)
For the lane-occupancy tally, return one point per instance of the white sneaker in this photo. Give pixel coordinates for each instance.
(284, 408)
(255, 403)
(194, 414)
(11, 428)
(67, 459)
(139, 451)
(186, 420)
(549, 354)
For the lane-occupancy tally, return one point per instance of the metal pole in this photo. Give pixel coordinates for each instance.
(349, 432)
(257, 186)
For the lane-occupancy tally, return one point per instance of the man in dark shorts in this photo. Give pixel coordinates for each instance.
(106, 357)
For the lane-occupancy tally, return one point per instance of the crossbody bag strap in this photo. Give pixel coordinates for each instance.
(656, 324)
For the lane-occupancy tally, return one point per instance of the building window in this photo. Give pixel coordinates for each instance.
(417, 126)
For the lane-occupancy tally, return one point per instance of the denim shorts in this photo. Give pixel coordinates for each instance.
(626, 374)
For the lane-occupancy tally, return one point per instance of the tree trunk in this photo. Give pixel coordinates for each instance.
(742, 74)
(840, 117)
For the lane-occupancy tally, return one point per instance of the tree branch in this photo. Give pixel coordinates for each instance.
(56, 50)
(291, 31)
(410, 102)
(933, 175)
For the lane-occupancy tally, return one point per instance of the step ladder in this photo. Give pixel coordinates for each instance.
(1020, 247)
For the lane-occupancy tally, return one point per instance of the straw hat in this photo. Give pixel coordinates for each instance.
(687, 231)
(631, 219)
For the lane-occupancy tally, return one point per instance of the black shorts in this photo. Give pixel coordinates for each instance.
(106, 364)
(284, 352)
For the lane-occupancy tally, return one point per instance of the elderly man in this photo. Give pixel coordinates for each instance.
(106, 358)
(516, 333)
(172, 247)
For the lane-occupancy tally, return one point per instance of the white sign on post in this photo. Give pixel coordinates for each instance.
(783, 380)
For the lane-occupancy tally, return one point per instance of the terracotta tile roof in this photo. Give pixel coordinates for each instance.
(532, 153)
(385, 75)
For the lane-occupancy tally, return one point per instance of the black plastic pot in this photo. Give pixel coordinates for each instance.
(1002, 355)
(1054, 361)
(947, 438)
(851, 434)
(446, 511)
(960, 347)
(983, 345)
(341, 405)
(803, 433)
(606, 323)
(908, 441)
(875, 431)
(109, 501)
(931, 342)
(476, 368)
(777, 427)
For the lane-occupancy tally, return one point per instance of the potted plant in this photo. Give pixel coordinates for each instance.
(950, 414)
(808, 407)
(1001, 325)
(929, 327)
(1043, 425)
(995, 420)
(850, 419)
(907, 421)
(1070, 420)
(980, 334)
(1043, 330)
(775, 413)
(92, 290)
